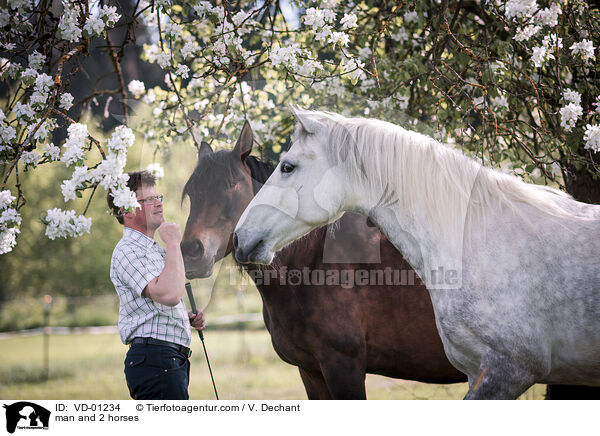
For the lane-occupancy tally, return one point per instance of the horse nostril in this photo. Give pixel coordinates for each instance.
(235, 241)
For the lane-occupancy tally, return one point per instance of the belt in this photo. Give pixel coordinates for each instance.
(152, 341)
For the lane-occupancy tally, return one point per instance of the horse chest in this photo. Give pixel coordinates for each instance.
(289, 334)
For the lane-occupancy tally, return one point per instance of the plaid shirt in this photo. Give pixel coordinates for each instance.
(137, 260)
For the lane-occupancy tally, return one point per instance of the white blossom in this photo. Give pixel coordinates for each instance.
(349, 21)
(38, 98)
(136, 87)
(73, 149)
(353, 69)
(23, 111)
(314, 17)
(163, 59)
(240, 17)
(20, 4)
(172, 29)
(323, 33)
(9, 46)
(308, 67)
(500, 102)
(151, 51)
(121, 140)
(43, 130)
(339, 37)
(541, 55)
(572, 96)
(409, 17)
(52, 151)
(520, 8)
(150, 96)
(30, 157)
(69, 187)
(4, 64)
(553, 41)
(585, 48)
(4, 18)
(592, 137)
(66, 101)
(7, 133)
(156, 170)
(285, 55)
(597, 104)
(525, 33)
(183, 71)
(69, 26)
(190, 48)
(8, 239)
(569, 115)
(36, 60)
(9, 215)
(109, 14)
(479, 101)
(28, 76)
(64, 224)
(402, 101)
(5, 198)
(400, 36)
(124, 198)
(43, 82)
(219, 47)
(549, 16)
(110, 171)
(94, 25)
(365, 52)
(203, 8)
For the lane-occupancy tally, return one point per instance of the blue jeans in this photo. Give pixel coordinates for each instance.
(156, 372)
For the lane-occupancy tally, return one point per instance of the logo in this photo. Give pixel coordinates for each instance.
(26, 415)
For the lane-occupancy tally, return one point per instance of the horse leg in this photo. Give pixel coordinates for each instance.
(499, 379)
(345, 377)
(314, 384)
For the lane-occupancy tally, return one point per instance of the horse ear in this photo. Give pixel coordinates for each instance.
(308, 124)
(204, 148)
(245, 142)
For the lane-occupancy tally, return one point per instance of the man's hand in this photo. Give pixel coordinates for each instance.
(197, 320)
(170, 233)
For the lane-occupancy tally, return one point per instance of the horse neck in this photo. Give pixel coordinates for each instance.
(421, 209)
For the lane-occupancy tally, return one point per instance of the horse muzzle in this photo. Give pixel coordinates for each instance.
(251, 248)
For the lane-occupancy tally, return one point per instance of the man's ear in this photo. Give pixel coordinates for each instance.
(308, 124)
(245, 142)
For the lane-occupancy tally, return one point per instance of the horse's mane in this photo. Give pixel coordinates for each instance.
(428, 177)
(260, 171)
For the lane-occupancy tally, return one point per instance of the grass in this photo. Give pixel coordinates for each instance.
(245, 366)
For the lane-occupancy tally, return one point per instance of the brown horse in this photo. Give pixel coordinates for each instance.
(331, 302)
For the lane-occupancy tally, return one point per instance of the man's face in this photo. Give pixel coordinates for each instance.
(150, 216)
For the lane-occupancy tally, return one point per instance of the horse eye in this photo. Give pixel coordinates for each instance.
(287, 167)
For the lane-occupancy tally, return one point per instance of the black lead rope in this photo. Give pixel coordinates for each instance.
(188, 288)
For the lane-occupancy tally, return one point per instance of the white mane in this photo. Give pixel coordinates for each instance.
(428, 177)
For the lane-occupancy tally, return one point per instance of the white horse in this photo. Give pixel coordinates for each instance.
(513, 269)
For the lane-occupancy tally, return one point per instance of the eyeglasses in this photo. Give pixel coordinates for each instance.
(152, 200)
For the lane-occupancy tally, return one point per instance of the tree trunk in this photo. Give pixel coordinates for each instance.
(582, 186)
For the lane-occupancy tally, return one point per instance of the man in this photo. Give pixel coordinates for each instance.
(150, 282)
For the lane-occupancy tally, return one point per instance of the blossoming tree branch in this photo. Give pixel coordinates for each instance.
(515, 83)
